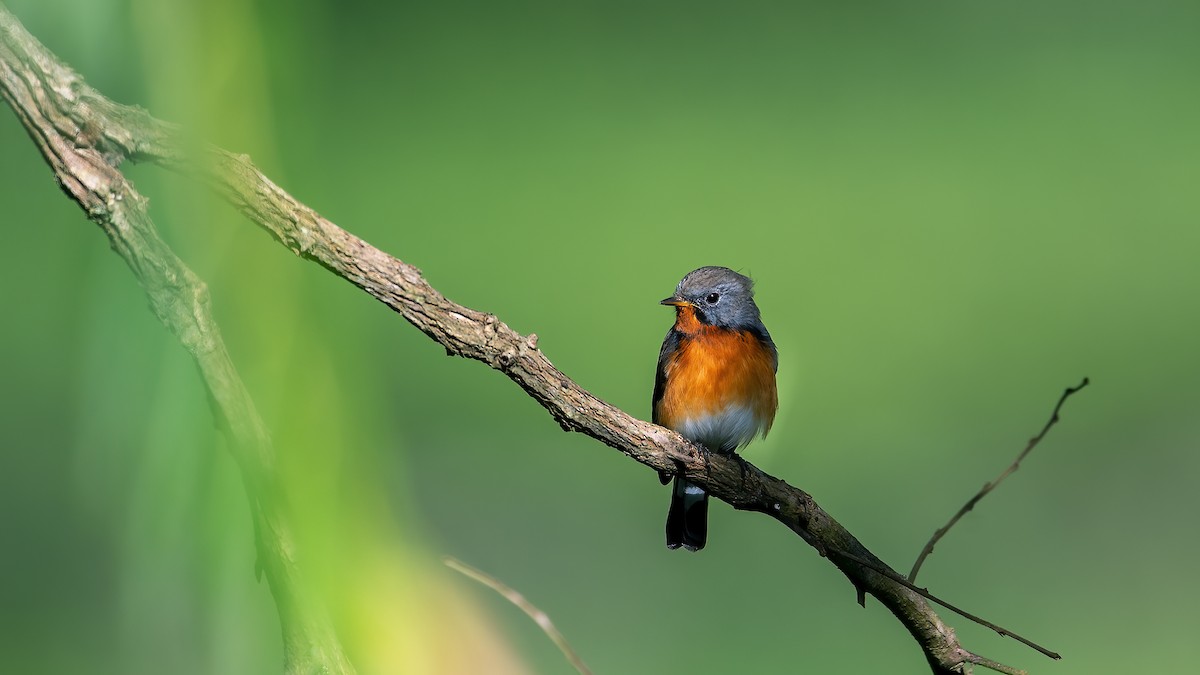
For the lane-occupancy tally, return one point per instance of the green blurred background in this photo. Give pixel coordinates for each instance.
(953, 211)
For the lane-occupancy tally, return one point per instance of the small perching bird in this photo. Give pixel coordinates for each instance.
(715, 382)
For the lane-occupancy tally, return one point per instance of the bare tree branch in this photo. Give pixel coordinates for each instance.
(65, 116)
(40, 90)
(539, 617)
(988, 487)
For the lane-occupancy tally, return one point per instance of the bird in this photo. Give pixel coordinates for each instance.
(715, 384)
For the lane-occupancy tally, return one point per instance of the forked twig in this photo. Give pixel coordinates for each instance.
(539, 617)
(941, 532)
(924, 593)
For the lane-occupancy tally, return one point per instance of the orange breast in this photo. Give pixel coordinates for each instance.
(713, 369)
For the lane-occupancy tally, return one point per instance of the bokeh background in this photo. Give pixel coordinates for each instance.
(953, 211)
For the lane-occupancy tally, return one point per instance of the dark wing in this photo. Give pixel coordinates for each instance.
(669, 345)
(759, 331)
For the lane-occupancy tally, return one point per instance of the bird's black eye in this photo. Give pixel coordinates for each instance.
(712, 298)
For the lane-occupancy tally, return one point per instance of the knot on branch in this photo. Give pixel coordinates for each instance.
(507, 358)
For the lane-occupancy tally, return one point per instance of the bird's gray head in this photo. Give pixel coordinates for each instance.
(720, 297)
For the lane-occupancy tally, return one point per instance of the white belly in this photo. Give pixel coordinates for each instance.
(724, 431)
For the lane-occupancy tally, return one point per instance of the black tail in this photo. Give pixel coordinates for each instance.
(687, 521)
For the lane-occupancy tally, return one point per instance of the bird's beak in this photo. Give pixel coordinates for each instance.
(675, 301)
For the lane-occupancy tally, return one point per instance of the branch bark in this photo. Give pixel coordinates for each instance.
(84, 136)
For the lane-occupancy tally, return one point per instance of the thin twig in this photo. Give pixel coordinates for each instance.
(539, 617)
(993, 665)
(924, 593)
(941, 532)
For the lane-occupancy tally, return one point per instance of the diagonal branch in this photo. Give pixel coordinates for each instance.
(988, 487)
(40, 90)
(60, 110)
